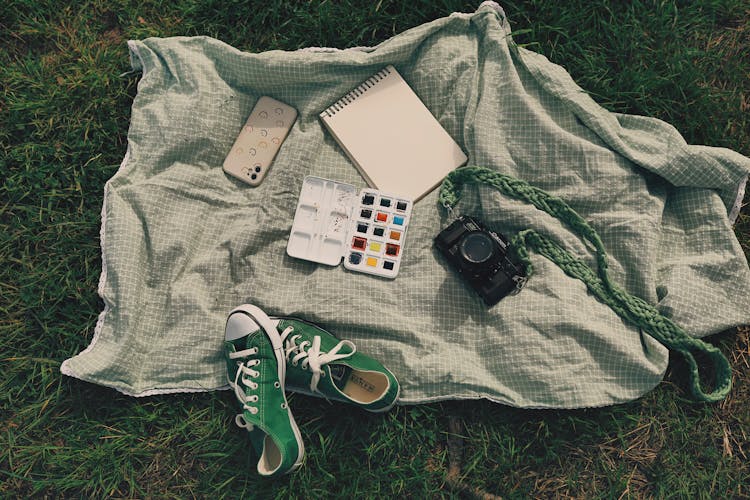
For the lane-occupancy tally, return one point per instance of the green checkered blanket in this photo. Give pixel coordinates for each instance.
(183, 243)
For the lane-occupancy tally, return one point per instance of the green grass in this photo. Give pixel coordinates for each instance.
(64, 112)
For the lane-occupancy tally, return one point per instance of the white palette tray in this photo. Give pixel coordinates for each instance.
(333, 221)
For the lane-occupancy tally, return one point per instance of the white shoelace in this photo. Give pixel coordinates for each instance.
(310, 356)
(245, 370)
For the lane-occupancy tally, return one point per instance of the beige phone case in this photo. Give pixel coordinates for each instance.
(259, 140)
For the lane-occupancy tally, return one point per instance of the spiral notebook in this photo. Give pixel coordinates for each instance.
(391, 136)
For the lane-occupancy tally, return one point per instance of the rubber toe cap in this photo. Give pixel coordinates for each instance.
(239, 325)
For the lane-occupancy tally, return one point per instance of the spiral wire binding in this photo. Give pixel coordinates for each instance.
(357, 92)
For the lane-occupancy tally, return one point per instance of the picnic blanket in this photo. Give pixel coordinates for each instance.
(183, 243)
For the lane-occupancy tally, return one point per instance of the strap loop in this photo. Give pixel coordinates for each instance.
(629, 307)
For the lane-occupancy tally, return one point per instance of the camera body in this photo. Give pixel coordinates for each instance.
(481, 258)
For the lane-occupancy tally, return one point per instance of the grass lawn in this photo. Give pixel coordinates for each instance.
(65, 96)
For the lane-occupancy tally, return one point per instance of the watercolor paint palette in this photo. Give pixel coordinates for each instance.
(334, 221)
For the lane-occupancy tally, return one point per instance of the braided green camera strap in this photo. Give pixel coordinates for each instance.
(631, 308)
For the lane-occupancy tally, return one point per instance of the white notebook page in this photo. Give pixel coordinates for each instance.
(391, 136)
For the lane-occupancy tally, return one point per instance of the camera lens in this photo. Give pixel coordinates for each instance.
(476, 248)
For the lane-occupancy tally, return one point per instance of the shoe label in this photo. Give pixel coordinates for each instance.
(364, 384)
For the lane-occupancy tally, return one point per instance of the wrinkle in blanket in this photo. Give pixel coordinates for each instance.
(183, 244)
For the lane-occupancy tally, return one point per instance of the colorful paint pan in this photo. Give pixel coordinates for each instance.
(366, 229)
(359, 243)
(386, 229)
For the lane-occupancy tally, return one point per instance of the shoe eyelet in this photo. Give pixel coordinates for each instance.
(283, 406)
(294, 363)
(276, 385)
(322, 374)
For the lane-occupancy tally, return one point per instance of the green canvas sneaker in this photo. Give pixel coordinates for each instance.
(256, 370)
(319, 364)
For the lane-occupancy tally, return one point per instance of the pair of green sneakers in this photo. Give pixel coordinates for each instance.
(266, 356)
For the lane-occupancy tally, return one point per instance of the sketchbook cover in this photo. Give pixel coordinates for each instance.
(391, 136)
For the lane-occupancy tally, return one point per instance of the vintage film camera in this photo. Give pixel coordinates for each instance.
(481, 257)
